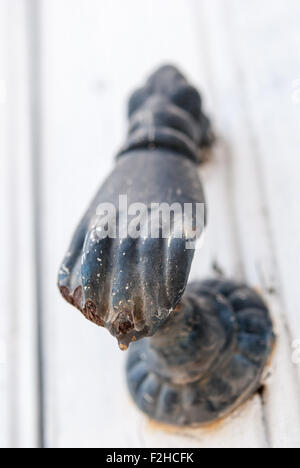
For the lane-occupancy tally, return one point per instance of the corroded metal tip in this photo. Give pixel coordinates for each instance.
(130, 288)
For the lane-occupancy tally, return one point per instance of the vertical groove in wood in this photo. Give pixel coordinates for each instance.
(5, 209)
(13, 279)
(34, 19)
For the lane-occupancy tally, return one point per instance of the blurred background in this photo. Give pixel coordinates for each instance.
(66, 70)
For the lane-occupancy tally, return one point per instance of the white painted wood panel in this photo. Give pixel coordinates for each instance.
(18, 373)
(252, 207)
(272, 128)
(69, 67)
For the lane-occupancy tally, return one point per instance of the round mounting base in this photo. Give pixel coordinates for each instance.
(224, 341)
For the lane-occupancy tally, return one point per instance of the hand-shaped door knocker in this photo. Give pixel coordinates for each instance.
(196, 351)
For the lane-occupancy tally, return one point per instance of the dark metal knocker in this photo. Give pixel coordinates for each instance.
(193, 358)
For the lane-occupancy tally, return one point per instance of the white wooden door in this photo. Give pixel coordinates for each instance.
(66, 70)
